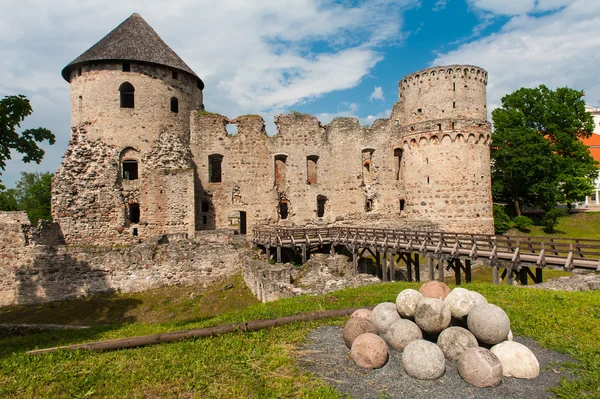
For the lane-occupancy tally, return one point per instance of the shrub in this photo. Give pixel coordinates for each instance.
(522, 223)
(501, 220)
(550, 220)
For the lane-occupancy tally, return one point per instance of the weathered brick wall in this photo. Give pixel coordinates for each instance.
(39, 273)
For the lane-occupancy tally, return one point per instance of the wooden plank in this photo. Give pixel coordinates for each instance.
(431, 270)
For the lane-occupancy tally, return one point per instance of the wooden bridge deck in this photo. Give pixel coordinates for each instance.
(515, 254)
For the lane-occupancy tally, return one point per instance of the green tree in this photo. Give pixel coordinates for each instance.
(13, 110)
(8, 201)
(537, 156)
(33, 195)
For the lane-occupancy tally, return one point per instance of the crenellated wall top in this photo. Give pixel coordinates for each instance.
(469, 72)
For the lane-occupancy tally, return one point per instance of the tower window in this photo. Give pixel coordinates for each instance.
(134, 213)
(126, 67)
(130, 169)
(454, 104)
(174, 105)
(127, 95)
(79, 72)
(398, 163)
(280, 170)
(175, 75)
(283, 209)
(402, 203)
(321, 200)
(311, 169)
(214, 168)
(205, 206)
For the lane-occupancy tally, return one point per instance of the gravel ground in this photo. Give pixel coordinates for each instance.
(326, 355)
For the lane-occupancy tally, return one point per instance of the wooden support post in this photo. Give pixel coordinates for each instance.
(431, 269)
(495, 273)
(278, 254)
(409, 266)
(384, 271)
(523, 275)
(268, 251)
(304, 256)
(392, 267)
(456, 263)
(440, 264)
(354, 260)
(332, 250)
(468, 270)
(378, 265)
(538, 275)
(417, 268)
(509, 276)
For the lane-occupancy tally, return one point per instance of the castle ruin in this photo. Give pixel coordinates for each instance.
(145, 159)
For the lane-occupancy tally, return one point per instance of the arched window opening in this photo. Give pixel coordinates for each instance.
(280, 169)
(398, 156)
(174, 105)
(130, 169)
(321, 200)
(134, 212)
(283, 209)
(402, 204)
(127, 95)
(214, 168)
(311, 169)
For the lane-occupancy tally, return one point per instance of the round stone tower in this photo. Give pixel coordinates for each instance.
(130, 86)
(441, 121)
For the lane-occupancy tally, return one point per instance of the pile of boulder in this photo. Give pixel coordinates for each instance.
(428, 327)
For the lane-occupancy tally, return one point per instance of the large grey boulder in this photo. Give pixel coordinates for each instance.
(480, 367)
(423, 360)
(489, 324)
(384, 315)
(369, 351)
(401, 333)
(432, 315)
(478, 298)
(460, 301)
(356, 326)
(517, 360)
(406, 302)
(453, 341)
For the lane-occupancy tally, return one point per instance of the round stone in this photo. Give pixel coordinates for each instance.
(406, 302)
(362, 313)
(489, 324)
(423, 360)
(369, 351)
(453, 341)
(478, 298)
(434, 289)
(460, 301)
(432, 315)
(356, 326)
(401, 333)
(480, 367)
(384, 315)
(517, 360)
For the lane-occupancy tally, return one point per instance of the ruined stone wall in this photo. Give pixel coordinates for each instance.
(95, 101)
(92, 201)
(40, 273)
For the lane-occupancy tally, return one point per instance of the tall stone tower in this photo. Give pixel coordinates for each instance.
(441, 120)
(128, 171)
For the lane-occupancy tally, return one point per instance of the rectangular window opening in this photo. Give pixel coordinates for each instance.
(402, 203)
(175, 75)
(283, 209)
(398, 163)
(205, 219)
(311, 169)
(130, 170)
(126, 67)
(280, 171)
(214, 168)
(368, 205)
(134, 231)
(205, 206)
(321, 200)
(420, 110)
(134, 213)
(439, 126)
(454, 105)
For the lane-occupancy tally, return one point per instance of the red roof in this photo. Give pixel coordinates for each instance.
(594, 143)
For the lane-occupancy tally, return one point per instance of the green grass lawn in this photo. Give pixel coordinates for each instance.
(577, 225)
(260, 364)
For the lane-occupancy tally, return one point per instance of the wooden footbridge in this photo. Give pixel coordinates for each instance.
(519, 257)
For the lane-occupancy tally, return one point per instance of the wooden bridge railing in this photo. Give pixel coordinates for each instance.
(516, 250)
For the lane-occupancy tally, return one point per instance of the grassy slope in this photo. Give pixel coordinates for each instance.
(577, 225)
(261, 364)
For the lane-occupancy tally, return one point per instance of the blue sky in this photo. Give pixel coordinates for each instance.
(328, 58)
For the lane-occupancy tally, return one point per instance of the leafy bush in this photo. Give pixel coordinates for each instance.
(550, 220)
(522, 223)
(501, 220)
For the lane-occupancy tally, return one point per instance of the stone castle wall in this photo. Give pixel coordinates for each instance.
(31, 272)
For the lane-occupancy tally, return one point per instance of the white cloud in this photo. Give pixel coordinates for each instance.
(257, 56)
(377, 94)
(517, 7)
(440, 5)
(558, 49)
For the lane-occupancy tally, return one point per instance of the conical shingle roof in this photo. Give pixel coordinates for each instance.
(132, 40)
